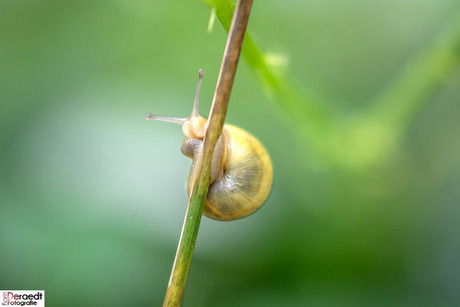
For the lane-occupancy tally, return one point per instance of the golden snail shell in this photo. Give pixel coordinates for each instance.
(246, 180)
(241, 170)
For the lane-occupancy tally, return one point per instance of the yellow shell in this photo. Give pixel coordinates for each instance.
(241, 170)
(246, 181)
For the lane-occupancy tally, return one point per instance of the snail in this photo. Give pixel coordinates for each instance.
(241, 170)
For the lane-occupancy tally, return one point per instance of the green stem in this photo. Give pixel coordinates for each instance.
(364, 139)
(303, 106)
(199, 192)
(308, 111)
(371, 135)
(421, 77)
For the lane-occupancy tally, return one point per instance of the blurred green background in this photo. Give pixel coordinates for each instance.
(92, 196)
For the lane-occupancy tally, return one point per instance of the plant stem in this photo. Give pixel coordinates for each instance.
(336, 138)
(199, 192)
(423, 75)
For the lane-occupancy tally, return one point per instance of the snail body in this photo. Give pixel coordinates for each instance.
(241, 171)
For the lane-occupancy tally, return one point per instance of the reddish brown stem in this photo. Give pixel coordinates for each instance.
(218, 112)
